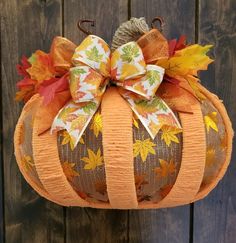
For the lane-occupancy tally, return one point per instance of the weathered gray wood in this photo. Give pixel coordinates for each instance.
(94, 225)
(215, 216)
(164, 225)
(25, 27)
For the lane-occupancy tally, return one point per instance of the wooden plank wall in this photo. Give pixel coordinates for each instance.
(31, 24)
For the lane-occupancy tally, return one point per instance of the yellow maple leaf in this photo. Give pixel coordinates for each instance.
(186, 61)
(169, 134)
(210, 156)
(69, 170)
(27, 162)
(166, 168)
(96, 125)
(143, 147)
(67, 138)
(135, 123)
(211, 121)
(66, 114)
(93, 160)
(193, 82)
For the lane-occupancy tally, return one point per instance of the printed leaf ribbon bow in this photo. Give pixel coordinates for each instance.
(95, 67)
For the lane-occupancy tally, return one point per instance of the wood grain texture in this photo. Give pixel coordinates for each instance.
(171, 225)
(25, 27)
(108, 15)
(92, 225)
(215, 216)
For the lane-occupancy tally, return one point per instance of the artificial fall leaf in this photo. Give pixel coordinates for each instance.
(69, 170)
(96, 125)
(143, 148)
(22, 68)
(93, 160)
(210, 156)
(175, 45)
(41, 66)
(166, 168)
(193, 82)
(68, 139)
(25, 94)
(27, 162)
(49, 88)
(211, 121)
(169, 134)
(188, 60)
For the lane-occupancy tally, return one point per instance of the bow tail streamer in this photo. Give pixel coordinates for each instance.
(153, 113)
(74, 118)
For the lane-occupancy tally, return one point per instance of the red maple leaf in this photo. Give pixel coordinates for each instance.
(22, 68)
(175, 45)
(50, 87)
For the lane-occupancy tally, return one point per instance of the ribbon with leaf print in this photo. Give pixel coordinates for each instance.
(95, 68)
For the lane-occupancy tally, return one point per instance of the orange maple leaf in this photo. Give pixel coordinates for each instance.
(165, 169)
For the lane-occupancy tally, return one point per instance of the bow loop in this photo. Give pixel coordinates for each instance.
(138, 83)
(85, 84)
(147, 85)
(95, 53)
(127, 62)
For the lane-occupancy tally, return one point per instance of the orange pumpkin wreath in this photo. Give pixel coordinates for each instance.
(130, 127)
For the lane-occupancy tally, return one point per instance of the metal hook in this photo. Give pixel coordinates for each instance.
(161, 22)
(80, 22)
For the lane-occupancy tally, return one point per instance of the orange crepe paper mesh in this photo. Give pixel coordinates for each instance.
(152, 184)
(164, 167)
(91, 183)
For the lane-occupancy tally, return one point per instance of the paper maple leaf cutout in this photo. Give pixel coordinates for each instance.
(69, 170)
(27, 162)
(68, 139)
(135, 123)
(101, 187)
(96, 125)
(140, 181)
(223, 142)
(143, 148)
(210, 156)
(93, 160)
(211, 121)
(169, 134)
(165, 190)
(165, 169)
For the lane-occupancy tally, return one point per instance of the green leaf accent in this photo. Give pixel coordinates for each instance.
(129, 53)
(93, 54)
(90, 106)
(32, 59)
(159, 103)
(78, 71)
(155, 102)
(153, 76)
